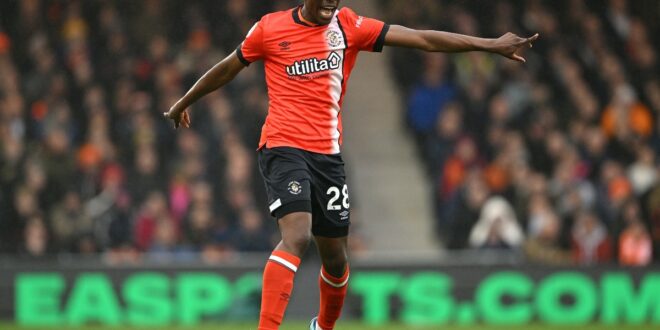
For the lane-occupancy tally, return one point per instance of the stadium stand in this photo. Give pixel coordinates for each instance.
(88, 164)
(557, 158)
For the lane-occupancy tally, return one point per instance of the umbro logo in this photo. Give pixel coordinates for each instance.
(284, 45)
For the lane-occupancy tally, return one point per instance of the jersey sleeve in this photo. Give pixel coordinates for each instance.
(364, 33)
(251, 49)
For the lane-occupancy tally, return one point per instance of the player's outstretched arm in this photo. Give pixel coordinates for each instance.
(507, 45)
(218, 76)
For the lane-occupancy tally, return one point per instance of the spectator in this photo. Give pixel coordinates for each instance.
(429, 97)
(154, 211)
(497, 226)
(462, 211)
(25, 203)
(199, 227)
(635, 245)
(81, 141)
(591, 243)
(251, 235)
(165, 245)
(449, 128)
(642, 173)
(543, 245)
(575, 129)
(36, 243)
(626, 115)
(464, 158)
(70, 223)
(145, 176)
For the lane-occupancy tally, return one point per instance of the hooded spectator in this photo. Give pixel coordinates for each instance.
(497, 226)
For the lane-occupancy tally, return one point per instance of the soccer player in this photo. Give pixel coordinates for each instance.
(308, 54)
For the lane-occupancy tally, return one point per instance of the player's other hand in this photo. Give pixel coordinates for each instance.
(179, 117)
(510, 44)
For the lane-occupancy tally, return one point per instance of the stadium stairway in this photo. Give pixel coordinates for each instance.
(391, 195)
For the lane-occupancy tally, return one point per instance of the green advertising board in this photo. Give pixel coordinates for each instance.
(415, 295)
(510, 297)
(143, 298)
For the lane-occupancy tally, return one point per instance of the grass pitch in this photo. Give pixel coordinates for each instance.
(342, 326)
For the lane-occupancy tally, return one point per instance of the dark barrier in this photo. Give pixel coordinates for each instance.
(421, 294)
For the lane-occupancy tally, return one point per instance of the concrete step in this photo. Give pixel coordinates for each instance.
(387, 179)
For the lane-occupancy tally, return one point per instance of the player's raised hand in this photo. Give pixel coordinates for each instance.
(510, 44)
(179, 117)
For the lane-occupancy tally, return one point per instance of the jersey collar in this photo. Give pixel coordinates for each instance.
(299, 19)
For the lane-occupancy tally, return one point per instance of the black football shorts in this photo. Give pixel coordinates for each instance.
(302, 181)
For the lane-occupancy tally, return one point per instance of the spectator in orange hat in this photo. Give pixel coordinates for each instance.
(89, 157)
(625, 113)
(496, 175)
(619, 189)
(465, 157)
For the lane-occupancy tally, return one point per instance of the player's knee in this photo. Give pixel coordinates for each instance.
(335, 264)
(297, 242)
(296, 232)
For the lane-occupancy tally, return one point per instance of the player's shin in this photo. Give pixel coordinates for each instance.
(277, 286)
(333, 291)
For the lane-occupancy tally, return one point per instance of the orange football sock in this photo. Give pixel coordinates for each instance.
(333, 291)
(277, 285)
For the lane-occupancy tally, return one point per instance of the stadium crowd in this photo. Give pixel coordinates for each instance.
(88, 164)
(556, 158)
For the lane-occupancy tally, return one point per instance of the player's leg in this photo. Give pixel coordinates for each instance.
(333, 279)
(281, 268)
(288, 187)
(330, 226)
(296, 231)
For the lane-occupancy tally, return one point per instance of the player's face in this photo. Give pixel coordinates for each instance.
(320, 11)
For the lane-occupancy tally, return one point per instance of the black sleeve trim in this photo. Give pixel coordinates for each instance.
(380, 42)
(239, 52)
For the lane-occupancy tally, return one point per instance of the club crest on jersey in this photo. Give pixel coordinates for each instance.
(314, 65)
(333, 38)
(295, 188)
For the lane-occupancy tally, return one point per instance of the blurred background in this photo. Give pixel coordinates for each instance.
(479, 185)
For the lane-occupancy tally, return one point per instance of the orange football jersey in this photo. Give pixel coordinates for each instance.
(307, 68)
